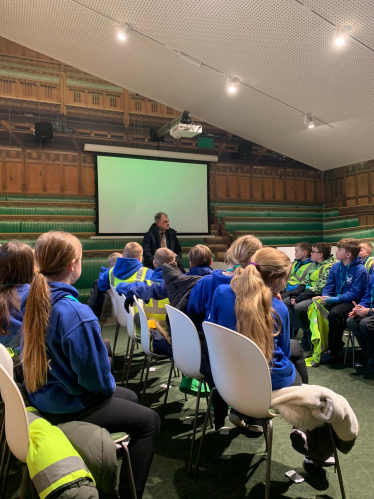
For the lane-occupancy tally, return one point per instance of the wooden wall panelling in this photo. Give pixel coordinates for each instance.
(233, 182)
(268, 184)
(290, 185)
(221, 182)
(35, 173)
(70, 174)
(88, 175)
(257, 184)
(53, 168)
(13, 171)
(245, 184)
(300, 186)
(278, 184)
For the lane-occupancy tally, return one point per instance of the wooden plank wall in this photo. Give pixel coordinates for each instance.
(71, 173)
(46, 172)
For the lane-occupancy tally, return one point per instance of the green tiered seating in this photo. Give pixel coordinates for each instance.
(288, 240)
(41, 199)
(30, 210)
(357, 234)
(268, 214)
(274, 226)
(340, 224)
(40, 227)
(91, 268)
(262, 205)
(330, 213)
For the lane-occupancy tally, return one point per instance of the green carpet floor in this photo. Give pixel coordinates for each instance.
(233, 466)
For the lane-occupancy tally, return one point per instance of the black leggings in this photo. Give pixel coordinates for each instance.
(122, 413)
(220, 406)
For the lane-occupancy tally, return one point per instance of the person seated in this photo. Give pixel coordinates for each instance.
(16, 274)
(112, 259)
(250, 304)
(312, 285)
(201, 260)
(127, 269)
(66, 366)
(237, 258)
(346, 283)
(300, 267)
(366, 250)
(361, 322)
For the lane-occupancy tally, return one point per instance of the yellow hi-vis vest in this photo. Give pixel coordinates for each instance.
(299, 274)
(51, 459)
(314, 275)
(138, 276)
(319, 327)
(156, 308)
(369, 263)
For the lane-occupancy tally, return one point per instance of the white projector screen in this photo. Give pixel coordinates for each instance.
(130, 190)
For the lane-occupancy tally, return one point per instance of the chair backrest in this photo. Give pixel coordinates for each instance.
(16, 422)
(186, 343)
(219, 266)
(144, 330)
(240, 371)
(6, 360)
(120, 308)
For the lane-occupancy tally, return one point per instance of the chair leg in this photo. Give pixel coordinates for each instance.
(195, 426)
(175, 373)
(127, 350)
(337, 464)
(142, 375)
(347, 346)
(126, 456)
(167, 389)
(353, 349)
(203, 432)
(115, 338)
(268, 458)
(185, 397)
(207, 401)
(265, 428)
(146, 379)
(126, 369)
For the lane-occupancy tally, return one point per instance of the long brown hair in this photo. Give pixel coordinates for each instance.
(254, 288)
(16, 267)
(54, 252)
(241, 251)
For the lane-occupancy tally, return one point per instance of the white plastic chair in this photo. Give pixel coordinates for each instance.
(146, 345)
(187, 358)
(6, 360)
(242, 378)
(119, 301)
(133, 337)
(219, 266)
(16, 425)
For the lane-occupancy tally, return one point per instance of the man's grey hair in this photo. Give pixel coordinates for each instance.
(158, 216)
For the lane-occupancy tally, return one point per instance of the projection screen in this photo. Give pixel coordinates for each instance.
(130, 190)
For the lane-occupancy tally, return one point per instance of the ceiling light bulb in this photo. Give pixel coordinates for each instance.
(309, 120)
(232, 85)
(340, 35)
(123, 32)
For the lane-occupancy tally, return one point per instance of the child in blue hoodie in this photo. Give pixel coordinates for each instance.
(249, 305)
(361, 322)
(128, 269)
(346, 283)
(66, 367)
(16, 274)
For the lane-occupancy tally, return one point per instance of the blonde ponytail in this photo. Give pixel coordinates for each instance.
(54, 252)
(241, 251)
(254, 288)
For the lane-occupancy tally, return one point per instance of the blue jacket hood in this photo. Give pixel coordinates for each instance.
(126, 267)
(79, 375)
(201, 270)
(347, 282)
(368, 298)
(13, 338)
(157, 275)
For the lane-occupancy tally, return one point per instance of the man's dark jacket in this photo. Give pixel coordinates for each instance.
(152, 241)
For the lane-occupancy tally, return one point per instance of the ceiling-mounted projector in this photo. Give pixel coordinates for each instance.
(183, 130)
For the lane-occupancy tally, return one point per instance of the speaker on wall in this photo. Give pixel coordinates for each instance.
(43, 130)
(244, 150)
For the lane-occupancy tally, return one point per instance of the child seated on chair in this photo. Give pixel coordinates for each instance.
(366, 250)
(361, 322)
(250, 304)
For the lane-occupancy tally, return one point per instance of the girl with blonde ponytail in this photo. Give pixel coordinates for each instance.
(65, 362)
(251, 306)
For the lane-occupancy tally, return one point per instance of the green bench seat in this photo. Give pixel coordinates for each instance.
(273, 226)
(340, 224)
(330, 213)
(30, 210)
(267, 214)
(288, 240)
(47, 199)
(357, 234)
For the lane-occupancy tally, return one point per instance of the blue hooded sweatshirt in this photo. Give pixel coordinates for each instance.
(368, 298)
(201, 296)
(282, 370)
(79, 374)
(123, 269)
(142, 290)
(346, 283)
(200, 270)
(13, 339)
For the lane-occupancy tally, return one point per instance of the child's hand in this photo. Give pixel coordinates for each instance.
(293, 301)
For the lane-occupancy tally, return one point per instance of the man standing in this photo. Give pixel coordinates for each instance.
(160, 236)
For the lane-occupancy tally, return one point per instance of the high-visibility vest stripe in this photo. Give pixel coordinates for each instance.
(156, 308)
(296, 279)
(138, 276)
(369, 262)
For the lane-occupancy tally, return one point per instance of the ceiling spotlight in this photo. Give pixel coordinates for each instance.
(341, 35)
(232, 85)
(123, 32)
(309, 120)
